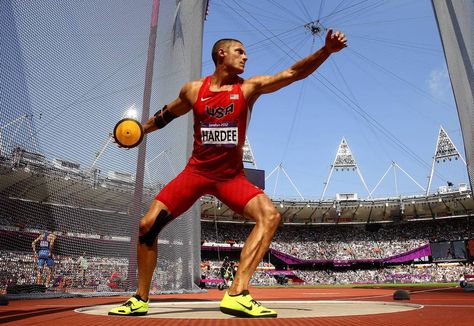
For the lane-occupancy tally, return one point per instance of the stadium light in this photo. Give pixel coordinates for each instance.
(131, 113)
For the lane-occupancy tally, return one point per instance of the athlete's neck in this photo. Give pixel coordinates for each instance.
(221, 79)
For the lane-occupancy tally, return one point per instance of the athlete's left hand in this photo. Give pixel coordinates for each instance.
(335, 42)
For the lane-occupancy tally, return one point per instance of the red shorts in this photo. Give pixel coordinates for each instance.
(183, 191)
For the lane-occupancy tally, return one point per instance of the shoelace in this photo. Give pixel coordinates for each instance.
(252, 300)
(129, 302)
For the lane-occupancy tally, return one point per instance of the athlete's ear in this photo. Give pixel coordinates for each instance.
(220, 54)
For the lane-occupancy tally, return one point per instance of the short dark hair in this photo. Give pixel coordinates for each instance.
(219, 44)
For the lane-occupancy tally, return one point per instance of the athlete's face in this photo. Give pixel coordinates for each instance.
(235, 57)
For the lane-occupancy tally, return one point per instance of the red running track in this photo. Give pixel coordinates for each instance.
(442, 306)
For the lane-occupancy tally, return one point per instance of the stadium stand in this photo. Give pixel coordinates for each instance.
(107, 272)
(347, 241)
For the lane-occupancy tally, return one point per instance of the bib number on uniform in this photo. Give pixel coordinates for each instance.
(220, 133)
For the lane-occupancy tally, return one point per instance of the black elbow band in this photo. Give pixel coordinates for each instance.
(161, 220)
(163, 117)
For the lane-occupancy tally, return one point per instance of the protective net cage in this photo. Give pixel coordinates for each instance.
(68, 72)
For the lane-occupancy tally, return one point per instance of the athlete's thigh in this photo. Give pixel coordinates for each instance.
(236, 193)
(182, 192)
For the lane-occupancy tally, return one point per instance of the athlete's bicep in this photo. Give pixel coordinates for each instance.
(179, 107)
(268, 84)
(183, 103)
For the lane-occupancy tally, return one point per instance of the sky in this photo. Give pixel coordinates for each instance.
(387, 93)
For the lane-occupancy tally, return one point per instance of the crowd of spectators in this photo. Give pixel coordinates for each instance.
(84, 273)
(423, 273)
(397, 274)
(108, 274)
(315, 242)
(343, 242)
(102, 273)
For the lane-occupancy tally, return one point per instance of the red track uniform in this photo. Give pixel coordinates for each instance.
(215, 166)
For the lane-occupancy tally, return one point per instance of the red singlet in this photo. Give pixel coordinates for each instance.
(220, 124)
(215, 166)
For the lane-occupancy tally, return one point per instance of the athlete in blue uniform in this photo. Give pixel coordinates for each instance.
(44, 255)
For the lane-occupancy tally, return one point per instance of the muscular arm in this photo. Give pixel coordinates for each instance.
(33, 244)
(180, 106)
(258, 85)
(51, 243)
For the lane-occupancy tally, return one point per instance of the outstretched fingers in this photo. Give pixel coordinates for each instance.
(335, 41)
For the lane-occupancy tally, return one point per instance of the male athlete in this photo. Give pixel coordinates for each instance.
(221, 105)
(44, 255)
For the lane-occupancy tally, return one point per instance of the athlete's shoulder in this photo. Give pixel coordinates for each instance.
(255, 80)
(251, 86)
(190, 91)
(194, 84)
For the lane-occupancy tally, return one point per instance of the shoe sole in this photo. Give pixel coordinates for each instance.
(242, 314)
(131, 314)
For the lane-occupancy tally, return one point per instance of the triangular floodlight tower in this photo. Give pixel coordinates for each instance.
(394, 166)
(344, 160)
(279, 168)
(248, 154)
(445, 149)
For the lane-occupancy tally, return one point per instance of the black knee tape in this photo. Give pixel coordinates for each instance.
(161, 220)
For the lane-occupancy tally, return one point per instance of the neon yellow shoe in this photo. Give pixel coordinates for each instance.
(134, 306)
(243, 305)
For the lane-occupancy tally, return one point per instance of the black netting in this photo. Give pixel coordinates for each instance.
(68, 72)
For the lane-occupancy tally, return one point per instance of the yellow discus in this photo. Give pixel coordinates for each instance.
(128, 133)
